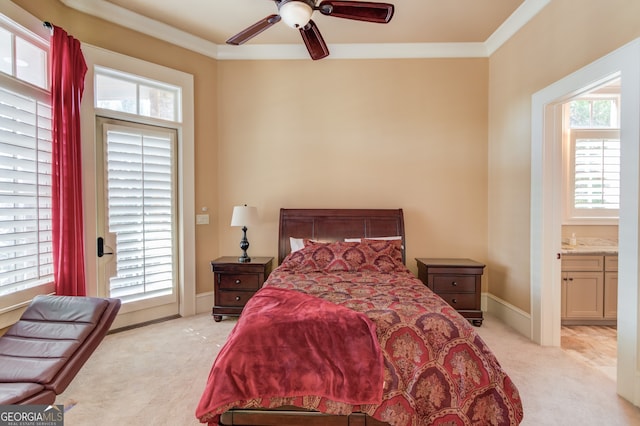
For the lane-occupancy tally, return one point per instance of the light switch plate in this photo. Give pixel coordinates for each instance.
(202, 219)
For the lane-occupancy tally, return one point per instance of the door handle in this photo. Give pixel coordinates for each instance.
(101, 247)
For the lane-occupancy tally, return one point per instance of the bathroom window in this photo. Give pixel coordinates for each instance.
(592, 159)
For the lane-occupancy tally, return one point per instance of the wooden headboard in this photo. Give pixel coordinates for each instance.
(338, 224)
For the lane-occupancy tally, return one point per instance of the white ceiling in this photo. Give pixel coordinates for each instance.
(419, 28)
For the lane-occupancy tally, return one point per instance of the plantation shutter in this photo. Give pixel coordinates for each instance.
(26, 257)
(597, 173)
(140, 189)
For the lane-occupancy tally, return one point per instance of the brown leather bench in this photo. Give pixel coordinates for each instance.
(45, 349)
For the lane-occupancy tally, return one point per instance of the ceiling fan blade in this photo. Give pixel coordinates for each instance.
(313, 40)
(380, 13)
(255, 29)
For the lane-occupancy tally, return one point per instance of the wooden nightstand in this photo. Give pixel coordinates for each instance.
(457, 281)
(235, 282)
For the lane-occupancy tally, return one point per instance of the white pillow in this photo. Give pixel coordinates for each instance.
(357, 240)
(296, 244)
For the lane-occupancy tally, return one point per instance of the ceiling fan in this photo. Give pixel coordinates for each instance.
(297, 14)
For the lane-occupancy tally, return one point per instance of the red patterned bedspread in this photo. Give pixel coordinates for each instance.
(437, 370)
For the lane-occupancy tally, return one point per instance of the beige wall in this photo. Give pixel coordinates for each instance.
(565, 36)
(360, 133)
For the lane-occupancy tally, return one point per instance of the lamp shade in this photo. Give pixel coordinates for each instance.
(244, 216)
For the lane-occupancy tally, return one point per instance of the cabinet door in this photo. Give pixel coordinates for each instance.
(610, 295)
(584, 295)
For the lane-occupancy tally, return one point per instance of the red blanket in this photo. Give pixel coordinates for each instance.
(284, 339)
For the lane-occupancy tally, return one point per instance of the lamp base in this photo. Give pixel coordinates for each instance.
(244, 245)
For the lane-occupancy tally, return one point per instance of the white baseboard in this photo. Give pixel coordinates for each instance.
(514, 317)
(204, 302)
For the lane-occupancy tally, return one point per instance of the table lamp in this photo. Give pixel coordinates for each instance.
(244, 216)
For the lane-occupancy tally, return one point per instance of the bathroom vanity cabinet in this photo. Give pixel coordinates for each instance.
(589, 289)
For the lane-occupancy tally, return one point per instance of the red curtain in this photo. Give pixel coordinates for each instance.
(68, 69)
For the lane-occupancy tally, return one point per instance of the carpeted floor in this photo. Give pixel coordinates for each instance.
(154, 375)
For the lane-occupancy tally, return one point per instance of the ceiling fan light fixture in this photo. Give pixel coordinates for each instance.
(296, 14)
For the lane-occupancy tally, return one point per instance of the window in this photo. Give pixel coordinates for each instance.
(128, 93)
(26, 260)
(23, 55)
(595, 113)
(593, 159)
(596, 171)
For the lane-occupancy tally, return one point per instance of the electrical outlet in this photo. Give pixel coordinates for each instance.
(202, 219)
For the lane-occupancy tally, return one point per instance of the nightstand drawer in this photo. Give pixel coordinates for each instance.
(239, 281)
(460, 300)
(454, 283)
(234, 298)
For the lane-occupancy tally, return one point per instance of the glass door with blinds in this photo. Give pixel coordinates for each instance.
(137, 240)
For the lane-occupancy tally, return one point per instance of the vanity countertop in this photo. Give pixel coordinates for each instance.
(591, 245)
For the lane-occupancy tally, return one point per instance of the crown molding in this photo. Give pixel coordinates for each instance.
(355, 51)
(124, 17)
(118, 15)
(523, 14)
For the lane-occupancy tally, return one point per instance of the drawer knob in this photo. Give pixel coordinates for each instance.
(454, 284)
(237, 298)
(238, 281)
(454, 300)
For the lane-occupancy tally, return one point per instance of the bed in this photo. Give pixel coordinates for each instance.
(342, 333)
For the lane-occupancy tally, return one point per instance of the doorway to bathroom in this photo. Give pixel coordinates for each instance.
(590, 138)
(546, 199)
